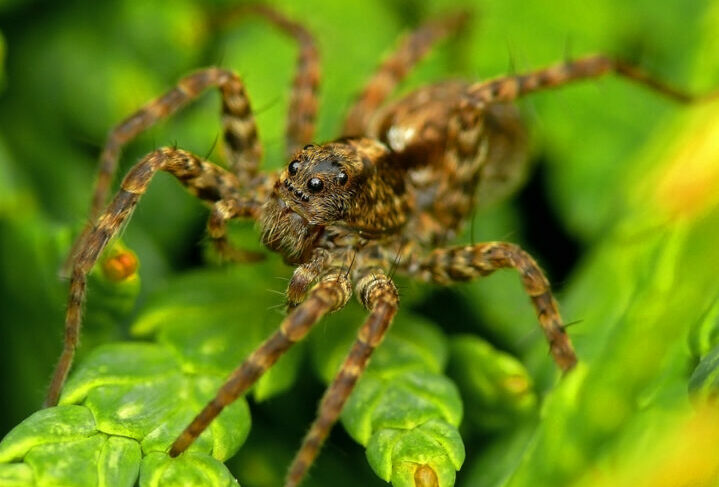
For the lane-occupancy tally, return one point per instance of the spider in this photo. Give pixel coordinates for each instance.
(390, 193)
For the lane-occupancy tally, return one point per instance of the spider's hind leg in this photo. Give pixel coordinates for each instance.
(459, 264)
(394, 69)
(509, 88)
(204, 179)
(304, 103)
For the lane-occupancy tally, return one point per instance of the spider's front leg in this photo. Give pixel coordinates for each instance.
(458, 264)
(242, 147)
(379, 295)
(202, 178)
(331, 293)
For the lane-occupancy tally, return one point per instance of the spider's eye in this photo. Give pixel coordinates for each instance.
(315, 185)
(342, 178)
(293, 167)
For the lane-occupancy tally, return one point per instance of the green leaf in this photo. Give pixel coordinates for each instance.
(16, 475)
(127, 386)
(159, 470)
(118, 364)
(72, 463)
(119, 462)
(62, 423)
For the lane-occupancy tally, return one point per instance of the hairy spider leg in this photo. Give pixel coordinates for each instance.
(331, 293)
(394, 69)
(305, 274)
(222, 212)
(204, 179)
(242, 146)
(464, 263)
(304, 102)
(379, 296)
(509, 88)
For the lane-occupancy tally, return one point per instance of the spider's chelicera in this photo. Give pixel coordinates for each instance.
(391, 192)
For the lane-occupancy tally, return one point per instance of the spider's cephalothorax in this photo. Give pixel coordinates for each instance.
(397, 184)
(350, 183)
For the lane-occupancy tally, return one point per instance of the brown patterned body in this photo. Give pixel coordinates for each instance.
(398, 184)
(453, 158)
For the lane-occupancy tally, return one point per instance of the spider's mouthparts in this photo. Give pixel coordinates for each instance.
(286, 230)
(297, 192)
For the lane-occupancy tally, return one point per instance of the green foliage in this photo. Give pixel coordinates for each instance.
(632, 177)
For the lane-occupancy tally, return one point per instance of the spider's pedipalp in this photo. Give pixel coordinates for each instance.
(330, 294)
(379, 295)
(391, 72)
(204, 179)
(224, 211)
(459, 264)
(304, 275)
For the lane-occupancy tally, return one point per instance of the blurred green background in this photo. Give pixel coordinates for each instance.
(621, 209)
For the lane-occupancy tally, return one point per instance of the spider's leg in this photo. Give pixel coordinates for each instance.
(393, 69)
(222, 212)
(379, 295)
(305, 275)
(509, 88)
(242, 147)
(329, 294)
(303, 98)
(457, 264)
(204, 179)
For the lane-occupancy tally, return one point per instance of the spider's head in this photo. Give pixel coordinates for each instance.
(318, 187)
(320, 180)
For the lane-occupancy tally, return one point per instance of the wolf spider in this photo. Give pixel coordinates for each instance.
(389, 192)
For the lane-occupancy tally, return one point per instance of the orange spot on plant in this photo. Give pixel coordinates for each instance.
(425, 476)
(120, 266)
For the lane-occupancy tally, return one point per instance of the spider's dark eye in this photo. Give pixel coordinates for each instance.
(315, 185)
(293, 167)
(342, 178)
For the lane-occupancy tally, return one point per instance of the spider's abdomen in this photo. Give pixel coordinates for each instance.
(455, 157)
